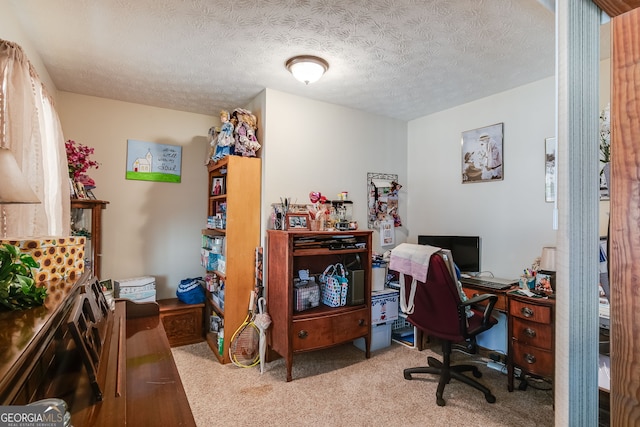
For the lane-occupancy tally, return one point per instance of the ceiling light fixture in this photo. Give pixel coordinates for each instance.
(307, 68)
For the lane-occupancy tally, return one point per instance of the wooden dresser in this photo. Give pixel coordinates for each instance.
(112, 368)
(531, 337)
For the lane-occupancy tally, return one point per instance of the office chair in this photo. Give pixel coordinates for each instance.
(440, 312)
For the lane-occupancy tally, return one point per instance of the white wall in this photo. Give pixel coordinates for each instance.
(149, 228)
(315, 146)
(510, 216)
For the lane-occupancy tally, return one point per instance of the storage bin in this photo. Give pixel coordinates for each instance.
(138, 289)
(380, 337)
(384, 306)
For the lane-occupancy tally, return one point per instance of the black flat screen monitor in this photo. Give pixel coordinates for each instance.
(465, 250)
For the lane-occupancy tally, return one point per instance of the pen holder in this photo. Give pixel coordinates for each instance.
(528, 282)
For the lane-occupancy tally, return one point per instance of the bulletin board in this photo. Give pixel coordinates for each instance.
(382, 199)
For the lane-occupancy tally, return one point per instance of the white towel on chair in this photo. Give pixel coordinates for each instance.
(412, 260)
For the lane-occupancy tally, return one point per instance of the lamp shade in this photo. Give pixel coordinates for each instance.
(13, 186)
(548, 259)
(307, 68)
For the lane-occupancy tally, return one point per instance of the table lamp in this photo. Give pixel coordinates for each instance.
(548, 259)
(14, 188)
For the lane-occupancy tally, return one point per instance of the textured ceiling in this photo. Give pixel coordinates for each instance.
(396, 58)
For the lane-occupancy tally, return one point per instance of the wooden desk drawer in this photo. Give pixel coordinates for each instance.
(501, 304)
(531, 333)
(316, 333)
(531, 312)
(533, 360)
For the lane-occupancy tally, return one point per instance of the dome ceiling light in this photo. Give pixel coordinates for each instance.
(307, 68)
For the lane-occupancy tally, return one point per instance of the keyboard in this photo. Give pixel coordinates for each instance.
(488, 283)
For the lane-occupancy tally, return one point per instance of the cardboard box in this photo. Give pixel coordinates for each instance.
(138, 289)
(60, 258)
(384, 306)
(380, 337)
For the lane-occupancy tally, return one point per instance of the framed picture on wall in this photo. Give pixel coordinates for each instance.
(550, 169)
(482, 154)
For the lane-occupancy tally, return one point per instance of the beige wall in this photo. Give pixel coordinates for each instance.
(149, 228)
(315, 146)
(511, 216)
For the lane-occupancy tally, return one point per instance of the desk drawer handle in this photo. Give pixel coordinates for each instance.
(527, 312)
(361, 322)
(530, 358)
(303, 334)
(530, 332)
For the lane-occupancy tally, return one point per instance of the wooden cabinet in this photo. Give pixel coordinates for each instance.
(238, 199)
(89, 226)
(291, 251)
(531, 337)
(182, 322)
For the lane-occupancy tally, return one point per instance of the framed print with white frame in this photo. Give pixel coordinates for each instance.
(550, 169)
(482, 154)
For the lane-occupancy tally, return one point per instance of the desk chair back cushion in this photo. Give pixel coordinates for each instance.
(438, 310)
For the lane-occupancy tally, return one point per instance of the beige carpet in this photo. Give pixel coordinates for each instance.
(339, 387)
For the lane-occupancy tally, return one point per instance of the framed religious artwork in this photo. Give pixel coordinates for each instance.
(482, 154)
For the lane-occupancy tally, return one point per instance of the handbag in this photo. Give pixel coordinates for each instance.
(334, 286)
(306, 294)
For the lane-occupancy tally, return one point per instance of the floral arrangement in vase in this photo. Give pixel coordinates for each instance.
(78, 159)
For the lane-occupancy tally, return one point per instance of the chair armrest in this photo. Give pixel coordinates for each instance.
(488, 309)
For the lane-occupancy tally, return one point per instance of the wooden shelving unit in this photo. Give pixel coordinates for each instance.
(241, 194)
(95, 228)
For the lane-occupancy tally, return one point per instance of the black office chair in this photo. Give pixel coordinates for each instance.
(439, 312)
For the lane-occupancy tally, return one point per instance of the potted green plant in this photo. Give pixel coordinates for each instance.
(18, 289)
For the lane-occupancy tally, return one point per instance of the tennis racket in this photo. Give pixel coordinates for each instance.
(244, 348)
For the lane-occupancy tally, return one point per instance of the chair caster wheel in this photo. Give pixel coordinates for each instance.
(490, 398)
(440, 401)
(407, 376)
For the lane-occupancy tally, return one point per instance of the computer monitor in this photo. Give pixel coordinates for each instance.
(465, 249)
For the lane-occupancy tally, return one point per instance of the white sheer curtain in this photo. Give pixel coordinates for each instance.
(30, 128)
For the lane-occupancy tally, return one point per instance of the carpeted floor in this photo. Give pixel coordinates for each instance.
(340, 387)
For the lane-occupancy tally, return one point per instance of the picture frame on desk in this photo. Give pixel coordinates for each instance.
(297, 221)
(546, 281)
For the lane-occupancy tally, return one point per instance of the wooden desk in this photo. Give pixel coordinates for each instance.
(473, 290)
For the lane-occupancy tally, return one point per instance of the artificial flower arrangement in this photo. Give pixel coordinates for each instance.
(79, 162)
(318, 210)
